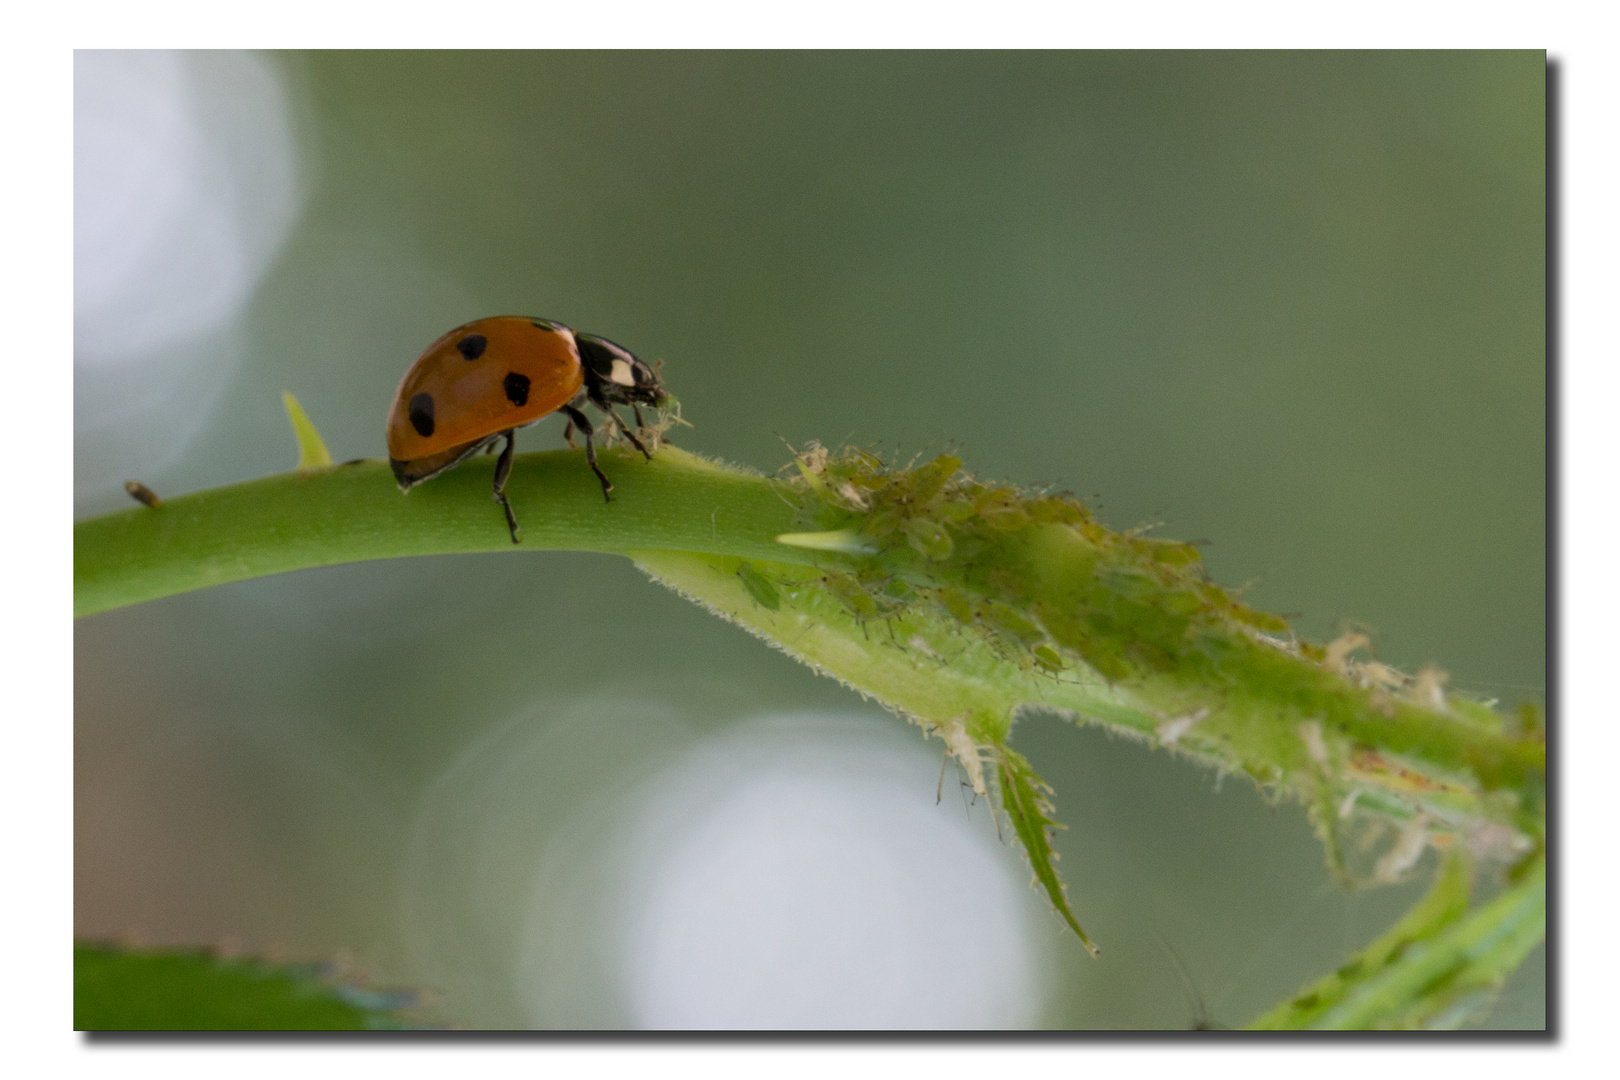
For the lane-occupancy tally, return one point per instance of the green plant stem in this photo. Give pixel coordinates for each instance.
(956, 603)
(354, 512)
(1435, 967)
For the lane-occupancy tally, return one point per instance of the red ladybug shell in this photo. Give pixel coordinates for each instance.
(477, 381)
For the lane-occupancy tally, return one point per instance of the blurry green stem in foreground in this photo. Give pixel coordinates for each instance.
(957, 603)
(126, 989)
(1433, 969)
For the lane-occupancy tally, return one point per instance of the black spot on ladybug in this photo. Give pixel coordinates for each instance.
(421, 413)
(517, 388)
(472, 346)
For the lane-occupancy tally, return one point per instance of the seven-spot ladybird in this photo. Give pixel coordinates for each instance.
(480, 381)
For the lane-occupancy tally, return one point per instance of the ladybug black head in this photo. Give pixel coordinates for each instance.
(614, 375)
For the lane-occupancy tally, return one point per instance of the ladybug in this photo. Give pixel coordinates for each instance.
(478, 383)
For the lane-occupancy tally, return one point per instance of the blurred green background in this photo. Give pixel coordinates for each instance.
(1291, 304)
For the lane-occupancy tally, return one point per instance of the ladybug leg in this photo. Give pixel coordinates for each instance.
(503, 469)
(568, 433)
(577, 418)
(635, 442)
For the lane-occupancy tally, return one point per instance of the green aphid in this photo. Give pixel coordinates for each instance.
(928, 479)
(759, 587)
(869, 481)
(871, 576)
(1130, 582)
(1104, 655)
(898, 590)
(1001, 509)
(1181, 602)
(1057, 509)
(957, 605)
(880, 523)
(1048, 658)
(1171, 552)
(929, 538)
(1006, 619)
(853, 595)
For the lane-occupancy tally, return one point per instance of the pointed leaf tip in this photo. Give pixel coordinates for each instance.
(847, 541)
(1022, 800)
(312, 452)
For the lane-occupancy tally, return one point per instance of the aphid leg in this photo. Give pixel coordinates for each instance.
(503, 469)
(1202, 1021)
(635, 442)
(585, 429)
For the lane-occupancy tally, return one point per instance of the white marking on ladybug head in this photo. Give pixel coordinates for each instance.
(621, 373)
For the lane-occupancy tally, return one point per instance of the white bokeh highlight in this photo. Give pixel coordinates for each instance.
(797, 874)
(185, 189)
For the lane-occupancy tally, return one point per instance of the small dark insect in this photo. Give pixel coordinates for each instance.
(142, 494)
